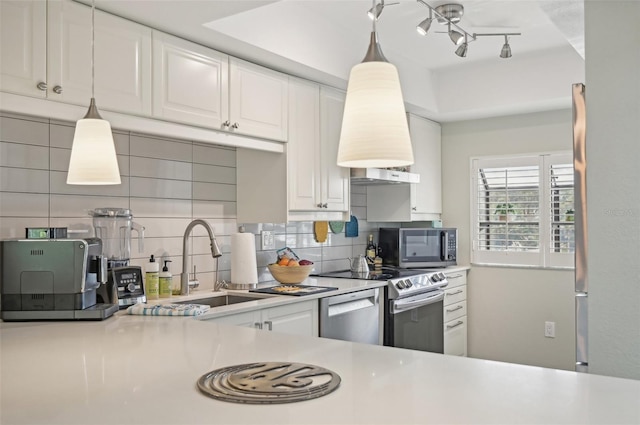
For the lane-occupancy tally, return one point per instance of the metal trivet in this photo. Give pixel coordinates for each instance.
(268, 383)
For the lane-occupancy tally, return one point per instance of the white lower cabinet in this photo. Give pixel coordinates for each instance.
(455, 314)
(299, 318)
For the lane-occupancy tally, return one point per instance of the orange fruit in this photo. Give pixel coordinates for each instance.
(283, 261)
(293, 263)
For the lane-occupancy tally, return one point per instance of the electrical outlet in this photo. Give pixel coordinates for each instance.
(550, 329)
(268, 241)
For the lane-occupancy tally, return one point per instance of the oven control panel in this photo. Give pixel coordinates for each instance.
(406, 286)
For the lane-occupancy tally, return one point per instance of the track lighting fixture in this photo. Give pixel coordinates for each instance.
(450, 15)
(376, 10)
(423, 27)
(506, 49)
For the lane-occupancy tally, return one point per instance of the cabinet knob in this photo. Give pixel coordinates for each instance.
(414, 208)
(226, 124)
(42, 86)
(319, 205)
(57, 90)
(325, 206)
(235, 125)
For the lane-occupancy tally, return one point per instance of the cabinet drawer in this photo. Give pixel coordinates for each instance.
(455, 295)
(453, 311)
(456, 278)
(455, 337)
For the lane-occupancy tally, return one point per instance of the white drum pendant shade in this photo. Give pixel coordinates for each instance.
(93, 155)
(374, 132)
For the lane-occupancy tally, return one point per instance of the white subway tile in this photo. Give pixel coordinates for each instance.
(60, 161)
(24, 180)
(164, 227)
(214, 209)
(161, 168)
(214, 191)
(214, 155)
(214, 174)
(79, 206)
(358, 200)
(161, 208)
(158, 188)
(159, 247)
(24, 204)
(14, 227)
(149, 147)
(24, 117)
(59, 186)
(24, 156)
(24, 131)
(220, 227)
(202, 245)
(336, 252)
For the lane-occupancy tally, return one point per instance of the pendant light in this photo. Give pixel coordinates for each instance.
(93, 154)
(374, 132)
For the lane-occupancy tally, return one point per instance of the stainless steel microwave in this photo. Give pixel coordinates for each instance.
(418, 247)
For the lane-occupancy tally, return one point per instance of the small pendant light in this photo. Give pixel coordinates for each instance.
(93, 154)
(374, 132)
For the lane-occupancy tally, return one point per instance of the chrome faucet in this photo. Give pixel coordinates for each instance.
(215, 252)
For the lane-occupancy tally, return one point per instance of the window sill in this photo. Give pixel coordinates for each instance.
(520, 266)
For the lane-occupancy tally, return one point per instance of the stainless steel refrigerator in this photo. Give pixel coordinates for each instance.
(580, 223)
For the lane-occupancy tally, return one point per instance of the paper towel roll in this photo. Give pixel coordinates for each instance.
(244, 269)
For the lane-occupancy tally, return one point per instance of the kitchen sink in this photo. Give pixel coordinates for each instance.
(221, 300)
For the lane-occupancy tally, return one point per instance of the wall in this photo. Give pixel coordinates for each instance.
(507, 307)
(165, 182)
(613, 198)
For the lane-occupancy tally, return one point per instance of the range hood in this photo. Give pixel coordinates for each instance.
(377, 176)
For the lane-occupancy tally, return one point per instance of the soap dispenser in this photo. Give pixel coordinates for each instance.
(165, 281)
(152, 279)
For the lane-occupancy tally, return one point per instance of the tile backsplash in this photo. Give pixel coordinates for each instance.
(166, 183)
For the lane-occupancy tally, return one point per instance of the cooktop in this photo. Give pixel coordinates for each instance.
(386, 273)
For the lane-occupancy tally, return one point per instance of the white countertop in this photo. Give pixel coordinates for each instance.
(143, 370)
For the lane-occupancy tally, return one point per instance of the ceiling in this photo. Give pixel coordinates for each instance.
(322, 39)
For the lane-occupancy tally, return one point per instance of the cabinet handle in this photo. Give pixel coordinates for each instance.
(269, 324)
(454, 276)
(57, 90)
(257, 325)
(454, 309)
(42, 86)
(235, 125)
(325, 205)
(459, 291)
(460, 322)
(319, 205)
(414, 208)
(226, 124)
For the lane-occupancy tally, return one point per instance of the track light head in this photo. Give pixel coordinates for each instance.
(462, 50)
(505, 53)
(455, 36)
(375, 11)
(423, 27)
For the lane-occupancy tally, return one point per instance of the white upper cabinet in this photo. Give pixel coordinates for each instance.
(419, 201)
(304, 183)
(122, 59)
(335, 180)
(190, 82)
(258, 101)
(23, 47)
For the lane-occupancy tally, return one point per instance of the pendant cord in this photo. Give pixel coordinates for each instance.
(93, 76)
(375, 19)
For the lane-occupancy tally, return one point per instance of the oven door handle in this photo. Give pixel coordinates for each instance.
(399, 306)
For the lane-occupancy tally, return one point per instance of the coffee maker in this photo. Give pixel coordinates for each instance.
(53, 279)
(124, 284)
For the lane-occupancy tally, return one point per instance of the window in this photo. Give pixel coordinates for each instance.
(522, 210)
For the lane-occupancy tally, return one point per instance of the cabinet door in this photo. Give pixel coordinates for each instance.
(303, 148)
(122, 59)
(426, 196)
(335, 179)
(258, 103)
(190, 82)
(23, 47)
(299, 318)
(455, 337)
(249, 319)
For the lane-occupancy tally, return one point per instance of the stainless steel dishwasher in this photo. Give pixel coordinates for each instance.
(351, 317)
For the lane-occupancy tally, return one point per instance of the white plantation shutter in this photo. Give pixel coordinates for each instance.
(512, 219)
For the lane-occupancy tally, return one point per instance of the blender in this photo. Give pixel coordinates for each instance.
(114, 226)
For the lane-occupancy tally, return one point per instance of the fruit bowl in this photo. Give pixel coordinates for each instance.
(290, 274)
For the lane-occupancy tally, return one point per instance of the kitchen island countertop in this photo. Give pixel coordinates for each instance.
(143, 370)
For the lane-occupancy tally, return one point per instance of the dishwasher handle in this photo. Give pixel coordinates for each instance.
(348, 303)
